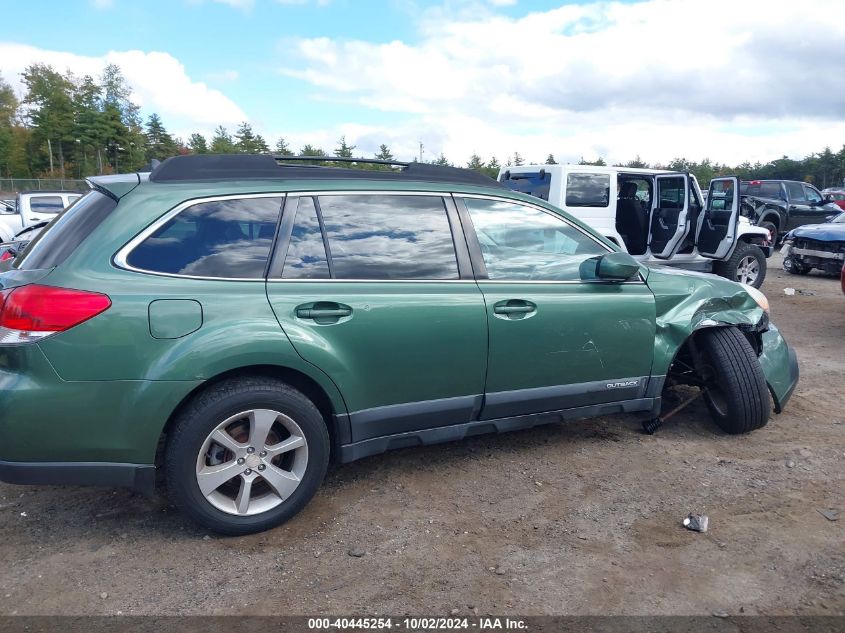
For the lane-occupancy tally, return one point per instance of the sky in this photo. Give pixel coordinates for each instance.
(731, 80)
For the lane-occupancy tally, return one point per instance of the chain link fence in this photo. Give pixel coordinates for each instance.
(13, 185)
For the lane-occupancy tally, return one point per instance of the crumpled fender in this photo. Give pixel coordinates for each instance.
(686, 302)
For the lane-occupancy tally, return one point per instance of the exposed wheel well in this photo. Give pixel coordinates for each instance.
(292, 377)
(770, 216)
(684, 368)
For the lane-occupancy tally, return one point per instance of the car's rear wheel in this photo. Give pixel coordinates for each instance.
(246, 455)
(735, 387)
(772, 229)
(747, 265)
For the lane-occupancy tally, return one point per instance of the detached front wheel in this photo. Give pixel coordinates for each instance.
(736, 392)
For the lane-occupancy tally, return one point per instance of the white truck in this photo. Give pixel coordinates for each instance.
(33, 207)
(658, 217)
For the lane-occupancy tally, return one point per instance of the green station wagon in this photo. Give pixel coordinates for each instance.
(237, 321)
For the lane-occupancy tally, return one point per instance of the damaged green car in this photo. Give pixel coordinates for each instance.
(237, 321)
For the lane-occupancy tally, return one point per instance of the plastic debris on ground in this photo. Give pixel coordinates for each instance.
(696, 522)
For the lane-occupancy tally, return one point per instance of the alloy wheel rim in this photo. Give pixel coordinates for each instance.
(747, 270)
(252, 462)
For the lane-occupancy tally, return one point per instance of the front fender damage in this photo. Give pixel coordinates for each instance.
(689, 302)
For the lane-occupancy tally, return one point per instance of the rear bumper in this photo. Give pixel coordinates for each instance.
(780, 366)
(139, 477)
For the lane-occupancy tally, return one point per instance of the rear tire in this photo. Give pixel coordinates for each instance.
(736, 395)
(268, 437)
(773, 231)
(747, 265)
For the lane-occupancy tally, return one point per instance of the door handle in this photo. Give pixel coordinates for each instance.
(514, 308)
(316, 313)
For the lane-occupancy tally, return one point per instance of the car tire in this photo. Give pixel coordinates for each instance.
(220, 433)
(773, 231)
(792, 266)
(747, 264)
(735, 387)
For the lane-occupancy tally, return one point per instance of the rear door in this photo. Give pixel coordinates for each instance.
(717, 229)
(374, 289)
(669, 223)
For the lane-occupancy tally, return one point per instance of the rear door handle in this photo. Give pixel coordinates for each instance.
(316, 313)
(514, 308)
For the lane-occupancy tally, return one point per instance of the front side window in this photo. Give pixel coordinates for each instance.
(813, 196)
(671, 192)
(388, 237)
(587, 190)
(524, 243)
(229, 239)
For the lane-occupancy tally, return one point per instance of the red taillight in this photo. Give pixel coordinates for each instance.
(756, 182)
(42, 310)
(5, 256)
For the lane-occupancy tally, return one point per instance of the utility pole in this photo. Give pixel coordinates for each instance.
(421, 150)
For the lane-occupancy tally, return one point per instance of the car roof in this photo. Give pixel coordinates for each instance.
(50, 192)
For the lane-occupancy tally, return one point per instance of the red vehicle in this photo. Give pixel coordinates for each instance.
(842, 279)
(836, 196)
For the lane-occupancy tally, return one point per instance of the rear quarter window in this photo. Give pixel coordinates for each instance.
(66, 232)
(587, 190)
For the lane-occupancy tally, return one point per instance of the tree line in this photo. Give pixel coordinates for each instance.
(72, 127)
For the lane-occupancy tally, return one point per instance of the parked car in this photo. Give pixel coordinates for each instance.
(836, 196)
(842, 279)
(782, 205)
(820, 246)
(658, 217)
(14, 247)
(33, 207)
(236, 322)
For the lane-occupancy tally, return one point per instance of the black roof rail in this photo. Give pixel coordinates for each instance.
(214, 167)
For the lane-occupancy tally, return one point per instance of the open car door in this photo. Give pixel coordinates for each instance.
(718, 227)
(669, 211)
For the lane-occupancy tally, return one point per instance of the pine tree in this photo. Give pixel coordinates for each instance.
(246, 140)
(50, 112)
(384, 153)
(221, 142)
(492, 168)
(518, 159)
(160, 144)
(197, 144)
(550, 160)
(344, 150)
(282, 148)
(441, 160)
(475, 163)
(8, 110)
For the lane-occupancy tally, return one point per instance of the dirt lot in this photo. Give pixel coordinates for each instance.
(579, 518)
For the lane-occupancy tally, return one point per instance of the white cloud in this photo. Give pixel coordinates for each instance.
(724, 79)
(159, 82)
(224, 75)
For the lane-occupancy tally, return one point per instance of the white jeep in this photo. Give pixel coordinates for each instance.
(32, 207)
(656, 216)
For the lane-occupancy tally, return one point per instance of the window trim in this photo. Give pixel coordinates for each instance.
(475, 246)
(120, 258)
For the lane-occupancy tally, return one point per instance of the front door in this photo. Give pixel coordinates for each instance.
(555, 342)
(717, 230)
(372, 290)
(669, 225)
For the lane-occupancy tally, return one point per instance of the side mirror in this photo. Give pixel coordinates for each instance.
(609, 267)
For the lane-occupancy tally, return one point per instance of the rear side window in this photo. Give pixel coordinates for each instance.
(54, 244)
(388, 237)
(46, 204)
(587, 190)
(533, 183)
(229, 239)
(763, 190)
(796, 192)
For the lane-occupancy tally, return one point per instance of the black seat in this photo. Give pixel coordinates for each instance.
(631, 221)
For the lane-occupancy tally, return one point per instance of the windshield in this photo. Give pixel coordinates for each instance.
(533, 183)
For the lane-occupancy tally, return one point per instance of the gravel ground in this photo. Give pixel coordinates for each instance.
(576, 518)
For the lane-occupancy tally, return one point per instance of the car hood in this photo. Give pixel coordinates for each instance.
(828, 232)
